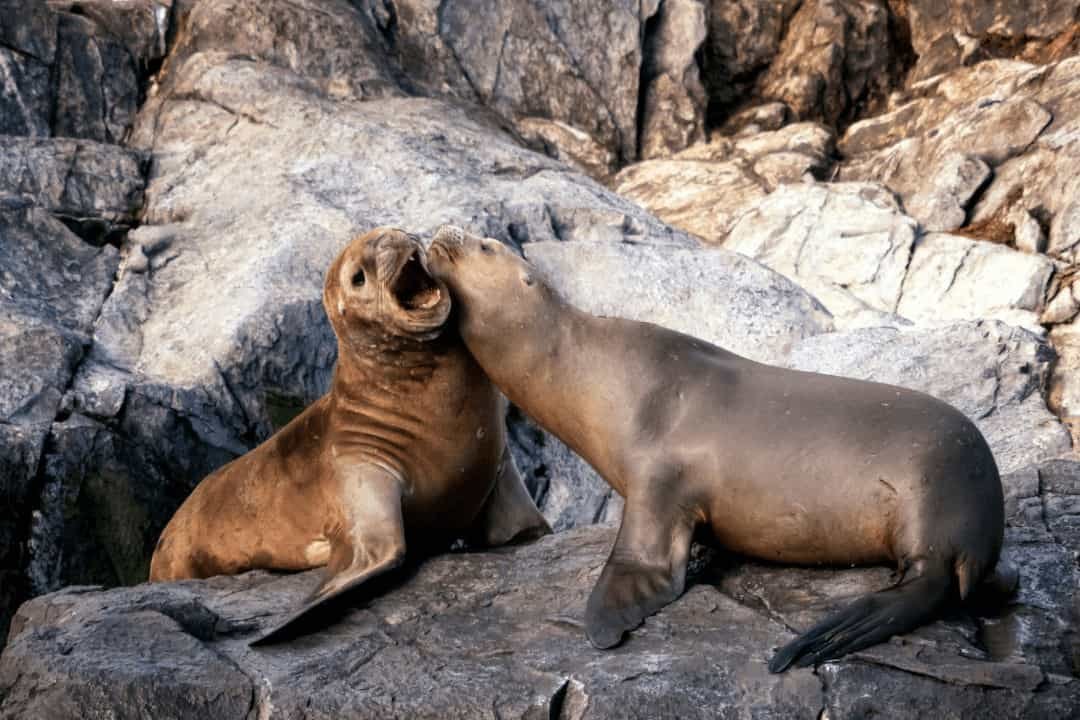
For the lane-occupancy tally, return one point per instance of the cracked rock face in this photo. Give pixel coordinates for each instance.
(469, 634)
(52, 285)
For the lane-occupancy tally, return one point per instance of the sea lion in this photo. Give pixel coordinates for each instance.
(787, 466)
(408, 444)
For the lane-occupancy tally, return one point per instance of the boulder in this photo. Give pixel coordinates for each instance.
(577, 64)
(954, 278)
(849, 244)
(471, 634)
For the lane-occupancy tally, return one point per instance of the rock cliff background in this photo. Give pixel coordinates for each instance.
(883, 189)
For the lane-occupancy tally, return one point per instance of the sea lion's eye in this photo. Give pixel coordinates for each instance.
(358, 278)
(486, 247)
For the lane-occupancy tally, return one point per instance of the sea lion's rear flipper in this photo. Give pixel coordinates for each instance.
(509, 513)
(918, 599)
(368, 540)
(647, 566)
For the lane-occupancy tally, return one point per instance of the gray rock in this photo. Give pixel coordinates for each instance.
(27, 50)
(993, 373)
(994, 130)
(574, 63)
(80, 180)
(97, 90)
(469, 634)
(52, 286)
(709, 293)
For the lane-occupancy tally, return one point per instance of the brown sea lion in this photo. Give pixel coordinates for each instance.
(409, 444)
(787, 466)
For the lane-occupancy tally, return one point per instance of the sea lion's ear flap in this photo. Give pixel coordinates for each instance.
(528, 279)
(369, 541)
(509, 514)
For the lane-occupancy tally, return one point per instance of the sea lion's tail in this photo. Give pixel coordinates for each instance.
(915, 601)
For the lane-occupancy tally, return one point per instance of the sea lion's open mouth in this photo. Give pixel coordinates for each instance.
(413, 288)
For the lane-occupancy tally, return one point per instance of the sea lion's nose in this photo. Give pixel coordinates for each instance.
(450, 236)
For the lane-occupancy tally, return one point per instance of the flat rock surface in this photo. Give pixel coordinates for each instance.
(499, 634)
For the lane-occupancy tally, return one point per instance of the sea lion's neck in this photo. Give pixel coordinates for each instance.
(546, 368)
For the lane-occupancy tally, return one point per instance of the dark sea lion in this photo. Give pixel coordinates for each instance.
(787, 466)
(409, 443)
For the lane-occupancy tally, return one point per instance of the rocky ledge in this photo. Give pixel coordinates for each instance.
(498, 634)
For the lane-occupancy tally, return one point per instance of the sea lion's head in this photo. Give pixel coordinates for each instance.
(493, 285)
(380, 287)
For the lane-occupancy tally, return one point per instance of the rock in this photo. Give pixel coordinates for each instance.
(52, 286)
(943, 205)
(464, 633)
(575, 148)
(1064, 395)
(758, 118)
(27, 50)
(743, 38)
(836, 59)
(98, 188)
(705, 188)
(953, 278)
(848, 244)
(1042, 181)
(709, 293)
(993, 130)
(947, 35)
(76, 69)
(1020, 119)
(993, 373)
(573, 62)
(97, 90)
(673, 115)
(141, 26)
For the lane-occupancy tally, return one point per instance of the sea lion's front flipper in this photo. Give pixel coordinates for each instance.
(367, 540)
(647, 566)
(509, 514)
